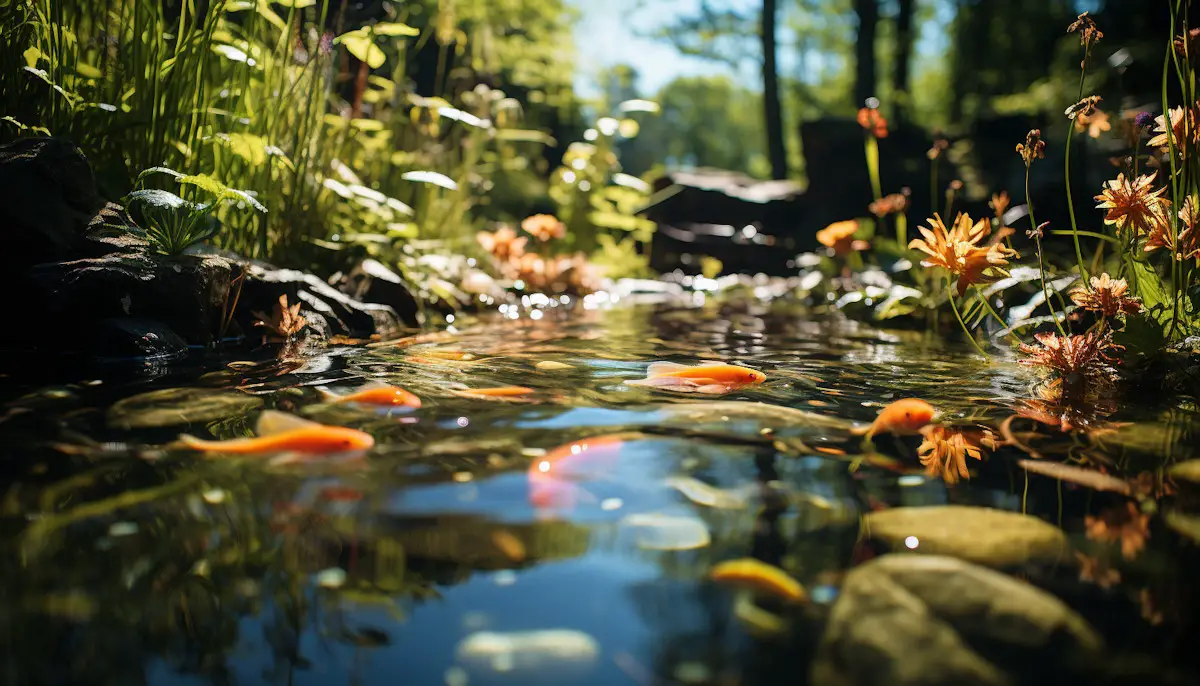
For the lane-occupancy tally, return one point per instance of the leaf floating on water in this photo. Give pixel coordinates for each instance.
(525, 650)
(655, 531)
(1089, 478)
(175, 406)
(704, 494)
(760, 577)
(552, 366)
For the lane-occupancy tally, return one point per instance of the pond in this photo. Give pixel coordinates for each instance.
(569, 534)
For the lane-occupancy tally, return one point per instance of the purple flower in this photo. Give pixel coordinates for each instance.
(1143, 119)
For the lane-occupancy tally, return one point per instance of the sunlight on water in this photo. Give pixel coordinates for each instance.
(559, 533)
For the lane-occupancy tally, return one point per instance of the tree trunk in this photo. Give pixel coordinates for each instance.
(864, 50)
(772, 107)
(903, 59)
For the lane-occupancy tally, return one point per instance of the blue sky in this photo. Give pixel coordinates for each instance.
(607, 35)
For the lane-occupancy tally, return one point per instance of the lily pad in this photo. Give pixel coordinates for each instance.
(996, 538)
(178, 406)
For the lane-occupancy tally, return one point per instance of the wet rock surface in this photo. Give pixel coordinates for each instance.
(335, 312)
(47, 199)
(373, 282)
(925, 619)
(996, 538)
(128, 337)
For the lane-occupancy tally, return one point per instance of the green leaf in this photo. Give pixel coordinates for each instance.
(1147, 285)
(32, 55)
(360, 44)
(391, 28)
(525, 136)
(249, 147)
(295, 4)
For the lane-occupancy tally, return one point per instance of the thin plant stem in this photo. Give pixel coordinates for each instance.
(1041, 260)
(1067, 163)
(872, 154)
(958, 316)
(995, 315)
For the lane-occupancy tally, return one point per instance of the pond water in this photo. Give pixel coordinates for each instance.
(568, 535)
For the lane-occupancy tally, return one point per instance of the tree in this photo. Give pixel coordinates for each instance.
(772, 108)
(865, 68)
(902, 69)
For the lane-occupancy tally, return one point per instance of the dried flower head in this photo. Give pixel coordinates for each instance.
(1089, 35)
(944, 452)
(503, 244)
(1185, 46)
(1094, 123)
(1127, 524)
(870, 119)
(896, 203)
(1033, 148)
(940, 145)
(999, 204)
(839, 236)
(957, 250)
(1189, 236)
(544, 227)
(285, 322)
(1085, 106)
(1082, 365)
(1184, 134)
(1107, 296)
(1132, 205)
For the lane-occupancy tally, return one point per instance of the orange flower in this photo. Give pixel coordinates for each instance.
(839, 236)
(1081, 363)
(1108, 296)
(1189, 236)
(896, 203)
(544, 227)
(958, 251)
(871, 120)
(1097, 571)
(944, 452)
(1125, 524)
(1132, 205)
(999, 204)
(1095, 123)
(503, 244)
(1183, 121)
(1086, 26)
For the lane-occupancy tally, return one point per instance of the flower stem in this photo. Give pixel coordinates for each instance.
(902, 230)
(1067, 157)
(1041, 260)
(995, 315)
(872, 152)
(958, 316)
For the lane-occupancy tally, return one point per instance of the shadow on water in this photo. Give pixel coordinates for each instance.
(475, 545)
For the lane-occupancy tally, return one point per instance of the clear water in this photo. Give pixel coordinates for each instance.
(128, 561)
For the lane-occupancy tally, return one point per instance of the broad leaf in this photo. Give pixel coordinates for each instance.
(360, 44)
(391, 28)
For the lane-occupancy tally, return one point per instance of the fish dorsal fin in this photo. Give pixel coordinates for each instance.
(276, 422)
(372, 383)
(660, 368)
(710, 363)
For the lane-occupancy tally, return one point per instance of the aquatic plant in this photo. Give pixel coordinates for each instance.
(1081, 366)
(1107, 296)
(944, 451)
(284, 322)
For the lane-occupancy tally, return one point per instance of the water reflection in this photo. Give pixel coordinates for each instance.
(565, 540)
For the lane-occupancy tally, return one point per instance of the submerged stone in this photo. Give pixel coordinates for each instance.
(909, 619)
(986, 536)
(657, 531)
(527, 650)
(178, 406)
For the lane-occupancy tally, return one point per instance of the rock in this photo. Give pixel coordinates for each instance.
(996, 538)
(342, 314)
(926, 619)
(373, 282)
(47, 198)
(128, 337)
(187, 294)
(178, 406)
(108, 233)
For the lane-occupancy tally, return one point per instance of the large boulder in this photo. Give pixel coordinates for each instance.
(338, 313)
(922, 619)
(188, 294)
(996, 538)
(47, 199)
(373, 282)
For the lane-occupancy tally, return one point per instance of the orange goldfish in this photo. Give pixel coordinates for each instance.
(553, 477)
(279, 432)
(376, 394)
(903, 417)
(707, 377)
(503, 392)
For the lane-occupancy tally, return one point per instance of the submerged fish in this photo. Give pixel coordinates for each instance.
(760, 577)
(903, 417)
(501, 393)
(375, 393)
(553, 477)
(279, 432)
(707, 377)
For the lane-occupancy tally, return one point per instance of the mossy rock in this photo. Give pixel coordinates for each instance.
(996, 538)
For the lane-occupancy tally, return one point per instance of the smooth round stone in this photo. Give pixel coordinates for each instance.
(996, 538)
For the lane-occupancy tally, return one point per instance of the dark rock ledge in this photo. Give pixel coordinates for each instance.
(75, 285)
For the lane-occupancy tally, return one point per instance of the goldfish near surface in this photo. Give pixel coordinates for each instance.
(279, 432)
(375, 393)
(903, 417)
(707, 377)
